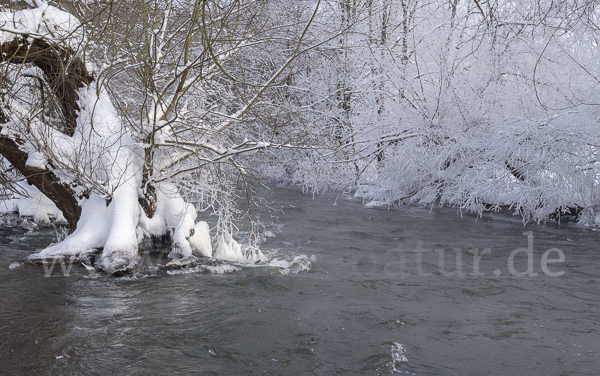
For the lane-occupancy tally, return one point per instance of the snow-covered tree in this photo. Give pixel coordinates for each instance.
(132, 117)
(480, 105)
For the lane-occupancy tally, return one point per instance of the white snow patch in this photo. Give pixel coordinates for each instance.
(34, 204)
(9, 206)
(229, 250)
(200, 241)
(91, 232)
(36, 160)
(110, 225)
(44, 22)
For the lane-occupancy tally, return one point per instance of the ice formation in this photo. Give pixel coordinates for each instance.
(200, 241)
(229, 250)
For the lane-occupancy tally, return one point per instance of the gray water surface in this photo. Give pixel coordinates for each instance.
(349, 291)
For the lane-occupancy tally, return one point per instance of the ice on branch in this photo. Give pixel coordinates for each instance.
(200, 241)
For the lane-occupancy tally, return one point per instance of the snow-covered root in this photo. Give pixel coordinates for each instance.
(200, 241)
(110, 228)
(115, 230)
(118, 228)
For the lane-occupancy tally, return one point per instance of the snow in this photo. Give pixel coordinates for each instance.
(91, 232)
(252, 255)
(33, 72)
(10, 206)
(200, 241)
(33, 204)
(112, 227)
(37, 160)
(121, 245)
(229, 250)
(44, 22)
(175, 216)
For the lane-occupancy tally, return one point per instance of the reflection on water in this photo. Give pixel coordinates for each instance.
(348, 290)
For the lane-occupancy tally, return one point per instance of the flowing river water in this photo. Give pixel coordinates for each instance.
(348, 291)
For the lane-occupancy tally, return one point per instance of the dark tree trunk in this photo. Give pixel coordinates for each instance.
(61, 194)
(65, 74)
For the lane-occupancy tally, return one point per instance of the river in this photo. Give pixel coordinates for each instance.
(348, 291)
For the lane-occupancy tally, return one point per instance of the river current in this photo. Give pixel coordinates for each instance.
(348, 290)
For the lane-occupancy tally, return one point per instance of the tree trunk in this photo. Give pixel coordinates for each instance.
(65, 75)
(64, 72)
(46, 181)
